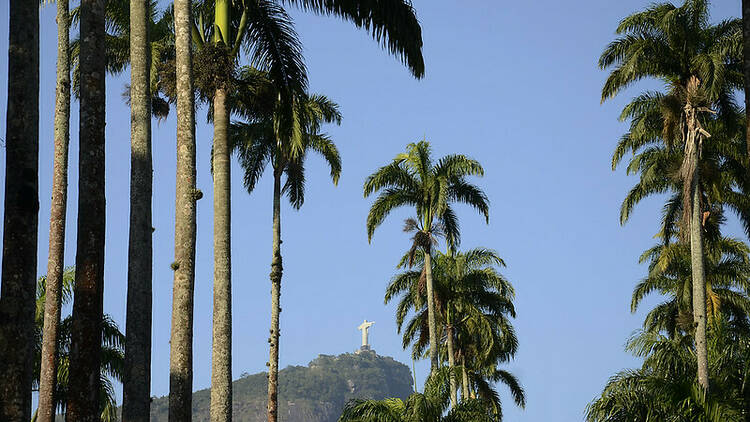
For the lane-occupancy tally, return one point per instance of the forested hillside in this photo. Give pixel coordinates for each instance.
(313, 393)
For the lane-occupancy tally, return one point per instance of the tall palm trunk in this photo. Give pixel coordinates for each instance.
(431, 312)
(276, 273)
(56, 259)
(17, 294)
(699, 284)
(221, 374)
(692, 194)
(137, 371)
(746, 67)
(451, 362)
(465, 380)
(181, 340)
(86, 333)
(221, 363)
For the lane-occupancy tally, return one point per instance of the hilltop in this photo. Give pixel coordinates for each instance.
(313, 393)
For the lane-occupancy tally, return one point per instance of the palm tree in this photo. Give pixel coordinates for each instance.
(21, 207)
(126, 26)
(86, 328)
(136, 401)
(430, 406)
(181, 339)
(117, 48)
(664, 388)
(112, 361)
(727, 281)
(698, 63)
(412, 179)
(473, 302)
(261, 142)
(263, 29)
(658, 164)
(746, 68)
(47, 377)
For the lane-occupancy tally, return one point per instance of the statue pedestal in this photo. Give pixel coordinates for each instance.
(365, 349)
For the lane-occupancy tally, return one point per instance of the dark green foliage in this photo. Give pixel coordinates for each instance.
(318, 391)
(665, 387)
(112, 349)
(430, 406)
(393, 23)
(727, 264)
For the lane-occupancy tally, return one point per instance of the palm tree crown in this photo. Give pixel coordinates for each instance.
(412, 179)
(261, 139)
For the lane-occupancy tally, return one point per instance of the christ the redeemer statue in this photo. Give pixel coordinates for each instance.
(364, 327)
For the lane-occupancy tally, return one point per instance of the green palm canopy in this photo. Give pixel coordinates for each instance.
(430, 187)
(700, 65)
(474, 304)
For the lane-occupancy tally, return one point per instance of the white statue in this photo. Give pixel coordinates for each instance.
(364, 327)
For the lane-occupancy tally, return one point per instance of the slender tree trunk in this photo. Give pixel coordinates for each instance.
(221, 364)
(86, 333)
(451, 364)
(276, 273)
(221, 374)
(465, 376)
(746, 67)
(693, 211)
(699, 284)
(56, 259)
(181, 340)
(136, 402)
(21, 219)
(431, 313)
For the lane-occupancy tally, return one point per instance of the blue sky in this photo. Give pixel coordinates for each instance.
(513, 84)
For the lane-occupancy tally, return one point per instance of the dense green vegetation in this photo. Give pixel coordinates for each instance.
(318, 391)
(687, 142)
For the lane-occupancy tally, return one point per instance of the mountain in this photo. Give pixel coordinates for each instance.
(313, 393)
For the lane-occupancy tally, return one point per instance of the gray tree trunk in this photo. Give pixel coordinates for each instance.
(136, 402)
(276, 274)
(21, 219)
(693, 211)
(181, 340)
(451, 364)
(699, 284)
(221, 371)
(86, 333)
(431, 313)
(56, 259)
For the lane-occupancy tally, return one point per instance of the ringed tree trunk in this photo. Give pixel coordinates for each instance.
(431, 312)
(465, 376)
(136, 402)
(699, 285)
(186, 195)
(221, 374)
(56, 259)
(692, 198)
(746, 67)
(21, 219)
(221, 362)
(86, 332)
(276, 274)
(451, 362)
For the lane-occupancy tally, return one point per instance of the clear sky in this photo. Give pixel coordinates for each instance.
(513, 84)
